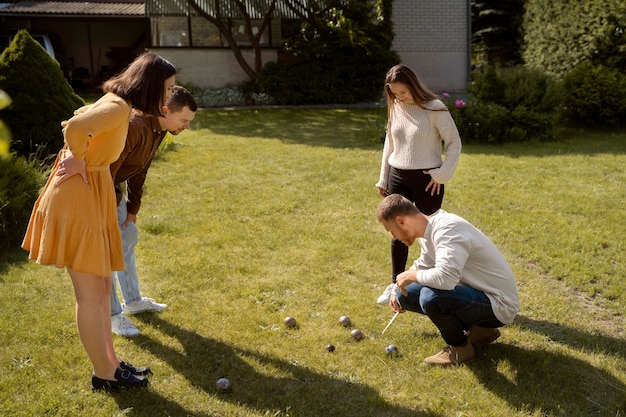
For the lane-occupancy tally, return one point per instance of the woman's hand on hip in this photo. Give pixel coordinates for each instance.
(70, 166)
(433, 186)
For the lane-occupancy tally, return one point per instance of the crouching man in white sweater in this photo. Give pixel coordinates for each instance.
(461, 281)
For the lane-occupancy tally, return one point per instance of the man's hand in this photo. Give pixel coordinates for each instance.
(130, 218)
(393, 303)
(405, 278)
(402, 281)
(70, 166)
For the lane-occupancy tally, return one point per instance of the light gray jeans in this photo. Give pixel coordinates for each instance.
(128, 278)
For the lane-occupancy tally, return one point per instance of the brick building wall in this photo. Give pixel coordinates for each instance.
(432, 37)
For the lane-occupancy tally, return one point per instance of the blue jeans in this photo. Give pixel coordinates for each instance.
(128, 279)
(452, 311)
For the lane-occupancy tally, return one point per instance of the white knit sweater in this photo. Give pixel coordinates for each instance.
(414, 141)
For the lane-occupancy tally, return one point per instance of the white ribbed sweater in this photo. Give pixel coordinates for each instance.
(454, 252)
(414, 141)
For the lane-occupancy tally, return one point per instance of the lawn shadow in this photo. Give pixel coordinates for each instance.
(283, 387)
(575, 338)
(551, 382)
(12, 257)
(354, 127)
(333, 128)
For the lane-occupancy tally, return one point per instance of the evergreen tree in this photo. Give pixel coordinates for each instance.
(495, 31)
(41, 97)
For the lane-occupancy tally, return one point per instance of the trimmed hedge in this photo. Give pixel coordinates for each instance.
(42, 97)
(560, 34)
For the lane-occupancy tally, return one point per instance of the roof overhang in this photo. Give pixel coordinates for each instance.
(73, 9)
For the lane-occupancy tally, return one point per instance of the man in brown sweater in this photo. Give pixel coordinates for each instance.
(145, 134)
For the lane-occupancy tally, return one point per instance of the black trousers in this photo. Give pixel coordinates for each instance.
(412, 185)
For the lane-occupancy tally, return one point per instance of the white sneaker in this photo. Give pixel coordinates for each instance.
(386, 295)
(122, 326)
(142, 305)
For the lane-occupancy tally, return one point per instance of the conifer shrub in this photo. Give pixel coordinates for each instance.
(41, 95)
(20, 182)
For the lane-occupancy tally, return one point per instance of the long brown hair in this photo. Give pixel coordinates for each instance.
(419, 92)
(142, 83)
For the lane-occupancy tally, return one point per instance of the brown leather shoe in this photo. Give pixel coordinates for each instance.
(452, 355)
(482, 336)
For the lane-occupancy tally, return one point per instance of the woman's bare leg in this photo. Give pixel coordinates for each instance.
(106, 308)
(94, 321)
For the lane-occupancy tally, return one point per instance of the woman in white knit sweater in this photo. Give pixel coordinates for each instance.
(412, 163)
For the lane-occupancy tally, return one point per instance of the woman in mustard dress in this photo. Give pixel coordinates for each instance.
(74, 220)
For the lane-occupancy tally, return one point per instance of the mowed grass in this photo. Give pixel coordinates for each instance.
(256, 215)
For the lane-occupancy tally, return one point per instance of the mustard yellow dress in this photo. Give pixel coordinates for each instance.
(74, 224)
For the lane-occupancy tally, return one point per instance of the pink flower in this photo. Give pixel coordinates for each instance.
(445, 95)
(459, 103)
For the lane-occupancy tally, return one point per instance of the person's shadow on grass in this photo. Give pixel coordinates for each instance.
(267, 384)
(553, 382)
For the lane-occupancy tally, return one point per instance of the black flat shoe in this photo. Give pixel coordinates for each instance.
(123, 378)
(136, 370)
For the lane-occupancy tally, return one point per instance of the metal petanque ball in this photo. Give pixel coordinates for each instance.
(223, 385)
(357, 335)
(290, 322)
(330, 348)
(345, 321)
(391, 350)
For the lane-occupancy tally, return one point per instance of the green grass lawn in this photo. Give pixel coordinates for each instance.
(255, 215)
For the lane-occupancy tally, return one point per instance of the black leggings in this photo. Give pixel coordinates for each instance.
(412, 185)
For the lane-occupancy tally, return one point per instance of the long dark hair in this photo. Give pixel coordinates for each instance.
(403, 74)
(142, 83)
(419, 92)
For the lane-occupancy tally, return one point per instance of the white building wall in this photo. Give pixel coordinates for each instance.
(210, 68)
(433, 38)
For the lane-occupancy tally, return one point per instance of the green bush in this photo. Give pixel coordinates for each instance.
(41, 95)
(516, 86)
(560, 34)
(301, 83)
(595, 95)
(341, 58)
(610, 49)
(20, 182)
(508, 105)
(480, 122)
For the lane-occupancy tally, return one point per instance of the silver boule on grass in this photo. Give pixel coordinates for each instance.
(357, 335)
(290, 322)
(391, 350)
(223, 385)
(345, 321)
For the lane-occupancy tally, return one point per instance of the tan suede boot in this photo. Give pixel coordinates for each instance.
(482, 336)
(452, 355)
